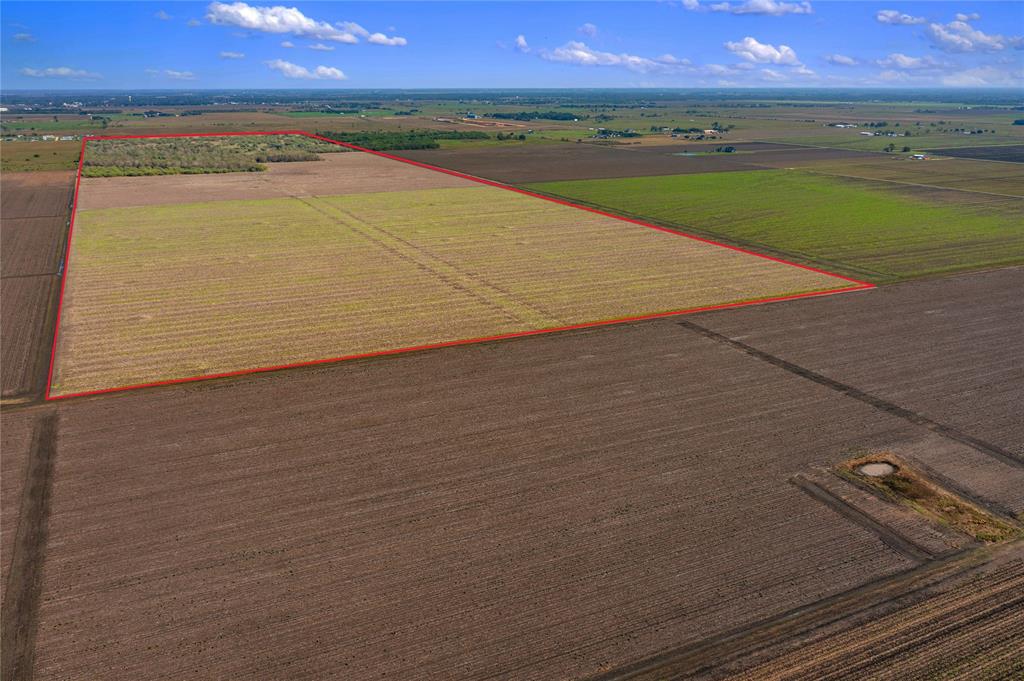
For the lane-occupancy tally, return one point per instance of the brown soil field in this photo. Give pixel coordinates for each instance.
(39, 194)
(941, 348)
(16, 429)
(973, 630)
(168, 292)
(551, 507)
(555, 506)
(334, 174)
(32, 245)
(547, 163)
(1013, 153)
(23, 317)
(961, 174)
(34, 209)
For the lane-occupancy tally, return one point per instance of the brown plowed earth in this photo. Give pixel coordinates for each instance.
(551, 162)
(553, 507)
(35, 208)
(334, 174)
(974, 630)
(39, 194)
(1013, 153)
(32, 245)
(15, 446)
(948, 349)
(23, 320)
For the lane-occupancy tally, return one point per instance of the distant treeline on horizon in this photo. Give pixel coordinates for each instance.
(525, 97)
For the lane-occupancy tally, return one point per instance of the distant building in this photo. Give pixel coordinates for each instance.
(710, 133)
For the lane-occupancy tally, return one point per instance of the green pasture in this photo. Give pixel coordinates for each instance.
(858, 227)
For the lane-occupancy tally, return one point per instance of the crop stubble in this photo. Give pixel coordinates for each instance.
(161, 292)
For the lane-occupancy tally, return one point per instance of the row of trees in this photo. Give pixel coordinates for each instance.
(398, 140)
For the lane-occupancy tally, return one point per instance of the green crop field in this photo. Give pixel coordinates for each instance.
(867, 228)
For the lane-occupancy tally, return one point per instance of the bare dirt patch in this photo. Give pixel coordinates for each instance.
(554, 162)
(32, 245)
(39, 194)
(23, 317)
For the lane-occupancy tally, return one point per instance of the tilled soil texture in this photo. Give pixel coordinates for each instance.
(23, 315)
(33, 195)
(169, 292)
(1004, 152)
(947, 349)
(32, 246)
(974, 630)
(553, 162)
(552, 507)
(35, 208)
(16, 431)
(970, 178)
(333, 174)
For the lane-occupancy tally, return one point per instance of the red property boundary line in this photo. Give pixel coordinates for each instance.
(856, 285)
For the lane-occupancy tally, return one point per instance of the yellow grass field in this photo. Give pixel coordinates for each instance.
(164, 292)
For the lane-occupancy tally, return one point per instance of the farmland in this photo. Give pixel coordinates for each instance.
(291, 278)
(662, 498)
(35, 208)
(579, 491)
(1005, 152)
(873, 229)
(38, 156)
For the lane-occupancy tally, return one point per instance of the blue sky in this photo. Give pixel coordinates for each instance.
(684, 43)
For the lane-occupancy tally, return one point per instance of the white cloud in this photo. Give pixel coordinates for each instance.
(287, 43)
(375, 38)
(896, 18)
(974, 16)
(773, 76)
(894, 76)
(60, 72)
(574, 52)
(162, 15)
(898, 60)
(171, 74)
(960, 36)
(381, 39)
(763, 53)
(289, 20)
(671, 60)
(840, 60)
(691, 5)
(192, 23)
(320, 47)
(521, 43)
(985, 76)
(24, 38)
(232, 55)
(290, 70)
(770, 7)
(588, 29)
(804, 71)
